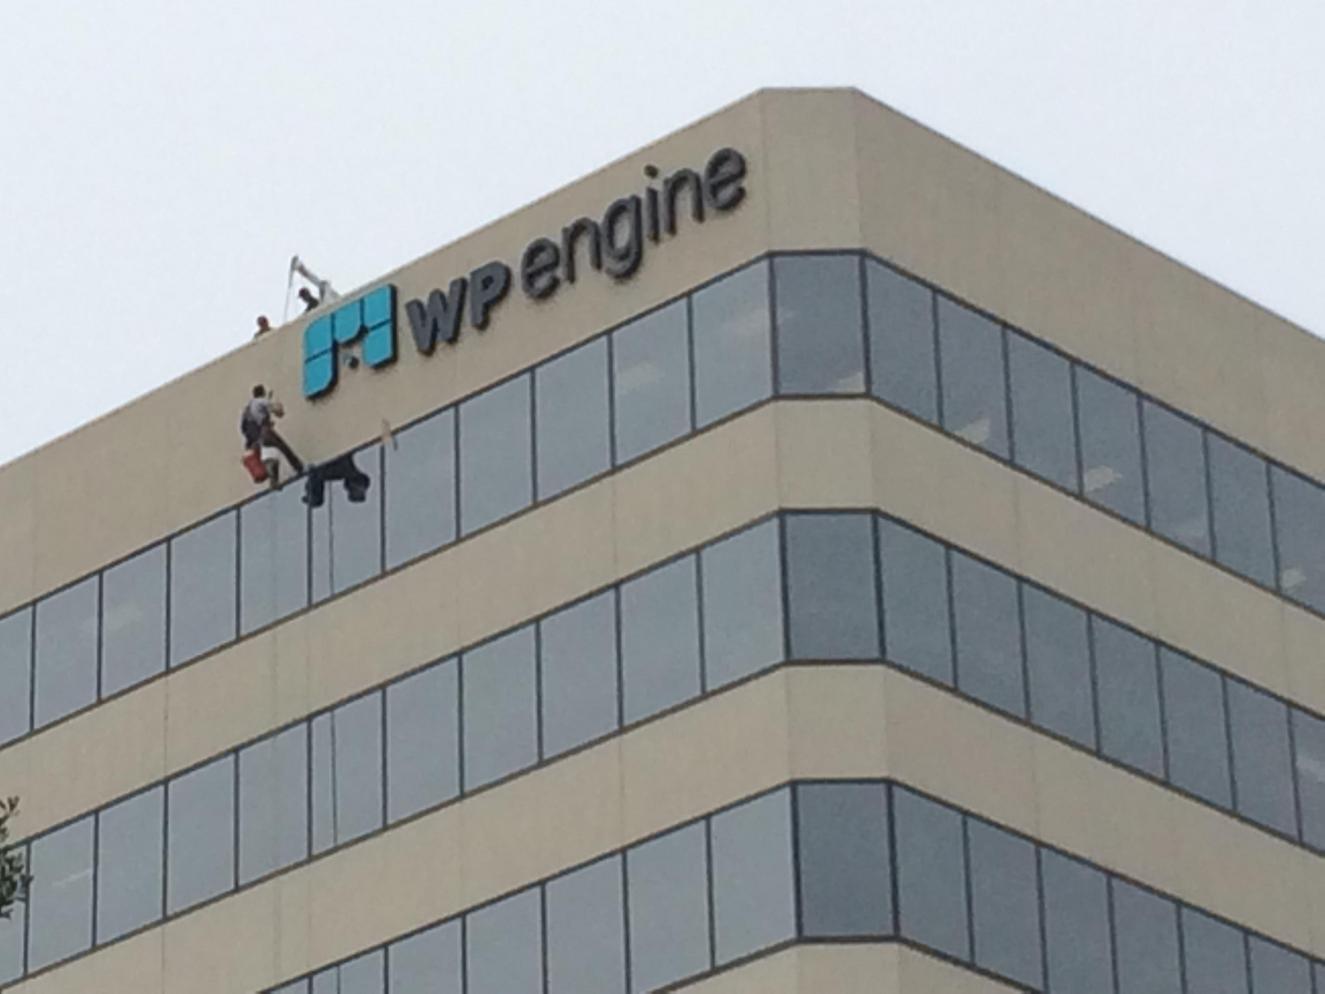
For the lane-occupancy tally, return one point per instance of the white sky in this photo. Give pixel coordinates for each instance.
(161, 160)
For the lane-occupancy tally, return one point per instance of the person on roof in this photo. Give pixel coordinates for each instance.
(264, 326)
(257, 425)
(309, 298)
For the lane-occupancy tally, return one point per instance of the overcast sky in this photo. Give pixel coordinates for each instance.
(161, 161)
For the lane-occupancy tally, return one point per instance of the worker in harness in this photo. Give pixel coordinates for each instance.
(257, 425)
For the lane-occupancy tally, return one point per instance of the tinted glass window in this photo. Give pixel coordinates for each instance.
(821, 340)
(1276, 970)
(845, 882)
(1309, 738)
(66, 651)
(362, 975)
(579, 674)
(1058, 666)
(15, 673)
(732, 363)
(11, 943)
(1076, 926)
(1005, 904)
(422, 740)
(273, 803)
(742, 605)
(668, 895)
(347, 535)
(420, 488)
(273, 558)
(1043, 434)
(429, 961)
(1299, 521)
(931, 886)
(753, 894)
(571, 418)
(496, 474)
(1146, 931)
(586, 931)
(988, 634)
(130, 841)
(1213, 955)
(1175, 471)
(974, 395)
(1240, 490)
(133, 620)
(504, 947)
(651, 380)
(347, 772)
(1262, 763)
(501, 720)
(1129, 697)
(60, 896)
(660, 639)
(1110, 445)
(1194, 719)
(202, 588)
(915, 602)
(200, 847)
(830, 581)
(903, 369)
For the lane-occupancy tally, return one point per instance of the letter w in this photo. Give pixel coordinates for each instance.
(439, 317)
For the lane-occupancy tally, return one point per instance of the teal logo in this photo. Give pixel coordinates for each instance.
(369, 322)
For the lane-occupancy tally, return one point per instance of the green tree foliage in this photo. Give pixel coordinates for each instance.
(14, 876)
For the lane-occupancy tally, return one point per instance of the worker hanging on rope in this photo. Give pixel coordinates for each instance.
(262, 442)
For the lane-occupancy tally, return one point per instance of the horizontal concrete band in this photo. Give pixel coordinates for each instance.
(809, 454)
(796, 723)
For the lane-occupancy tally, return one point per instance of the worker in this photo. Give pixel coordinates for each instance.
(309, 298)
(257, 424)
(264, 326)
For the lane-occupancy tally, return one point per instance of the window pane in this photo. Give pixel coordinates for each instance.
(504, 948)
(427, 962)
(60, 896)
(586, 931)
(347, 772)
(821, 341)
(347, 535)
(1299, 522)
(273, 803)
(297, 987)
(15, 674)
(130, 844)
(579, 674)
(651, 379)
(753, 894)
(903, 370)
(1276, 970)
(66, 651)
(1241, 509)
(1005, 904)
(200, 847)
(496, 476)
(1194, 719)
(133, 620)
(742, 605)
(1175, 470)
(11, 939)
(1146, 931)
(660, 639)
(1262, 763)
(202, 588)
(1110, 445)
(1309, 738)
(915, 602)
(830, 581)
(845, 880)
(732, 362)
(931, 885)
(1213, 955)
(273, 558)
(420, 488)
(1129, 697)
(668, 894)
(1058, 665)
(362, 975)
(422, 740)
(501, 720)
(971, 356)
(571, 418)
(1076, 926)
(1043, 436)
(988, 634)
